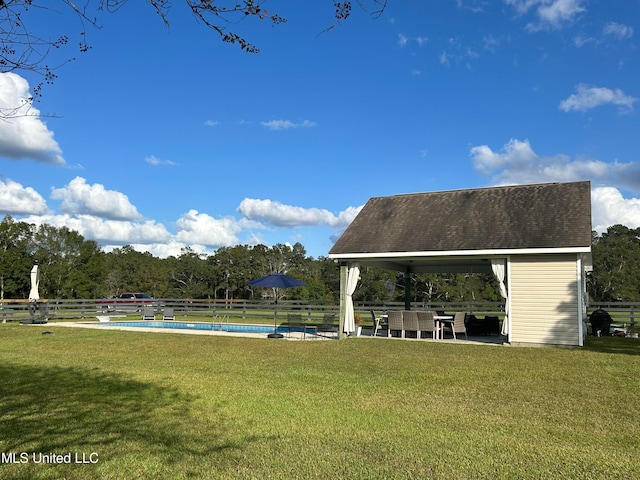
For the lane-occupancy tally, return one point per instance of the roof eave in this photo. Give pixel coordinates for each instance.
(461, 253)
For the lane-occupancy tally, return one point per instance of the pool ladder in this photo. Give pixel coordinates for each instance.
(219, 320)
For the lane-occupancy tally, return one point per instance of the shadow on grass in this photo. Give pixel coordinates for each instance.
(56, 410)
(619, 345)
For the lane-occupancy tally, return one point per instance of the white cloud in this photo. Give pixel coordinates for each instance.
(475, 6)
(202, 229)
(200, 232)
(280, 215)
(517, 163)
(515, 153)
(211, 123)
(551, 14)
(403, 40)
(346, 216)
(16, 199)
(106, 231)
(24, 135)
(608, 207)
(155, 161)
(490, 43)
(471, 53)
(458, 52)
(108, 218)
(287, 124)
(171, 248)
(618, 30)
(587, 97)
(614, 30)
(581, 40)
(558, 11)
(79, 198)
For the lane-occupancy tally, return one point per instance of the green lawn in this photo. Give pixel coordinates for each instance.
(189, 406)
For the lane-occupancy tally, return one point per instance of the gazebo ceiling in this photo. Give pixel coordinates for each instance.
(471, 264)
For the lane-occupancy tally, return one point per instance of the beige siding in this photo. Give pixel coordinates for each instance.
(544, 299)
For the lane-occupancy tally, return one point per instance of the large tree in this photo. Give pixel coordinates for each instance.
(16, 260)
(70, 266)
(616, 265)
(128, 270)
(189, 275)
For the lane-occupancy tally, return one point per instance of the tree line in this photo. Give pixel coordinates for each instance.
(72, 267)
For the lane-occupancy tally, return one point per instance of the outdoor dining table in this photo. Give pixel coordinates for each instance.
(440, 319)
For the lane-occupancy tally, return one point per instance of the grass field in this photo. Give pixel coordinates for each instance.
(145, 405)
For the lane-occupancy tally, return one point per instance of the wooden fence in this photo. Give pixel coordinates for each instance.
(89, 310)
(259, 310)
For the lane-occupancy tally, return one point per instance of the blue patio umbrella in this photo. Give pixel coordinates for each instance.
(276, 281)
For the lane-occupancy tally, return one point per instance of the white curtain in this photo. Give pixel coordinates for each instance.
(35, 283)
(352, 282)
(498, 265)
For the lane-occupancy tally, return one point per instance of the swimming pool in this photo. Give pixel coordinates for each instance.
(214, 327)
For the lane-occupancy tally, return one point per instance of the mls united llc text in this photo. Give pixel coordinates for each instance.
(38, 457)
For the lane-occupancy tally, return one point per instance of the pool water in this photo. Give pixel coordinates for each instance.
(215, 327)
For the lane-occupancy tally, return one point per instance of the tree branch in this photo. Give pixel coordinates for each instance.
(23, 50)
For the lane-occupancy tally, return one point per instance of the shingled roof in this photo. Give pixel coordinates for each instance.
(543, 216)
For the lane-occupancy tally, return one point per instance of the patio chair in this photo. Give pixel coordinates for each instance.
(410, 322)
(328, 324)
(426, 323)
(475, 325)
(148, 313)
(167, 314)
(295, 323)
(493, 324)
(377, 323)
(457, 326)
(395, 322)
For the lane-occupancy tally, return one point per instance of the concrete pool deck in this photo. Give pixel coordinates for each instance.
(101, 325)
(298, 336)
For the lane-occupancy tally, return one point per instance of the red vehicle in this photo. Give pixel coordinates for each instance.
(126, 302)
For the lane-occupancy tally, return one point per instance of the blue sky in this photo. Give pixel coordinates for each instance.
(165, 138)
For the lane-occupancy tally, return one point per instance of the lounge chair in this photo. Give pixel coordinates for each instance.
(295, 323)
(148, 313)
(167, 314)
(328, 324)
